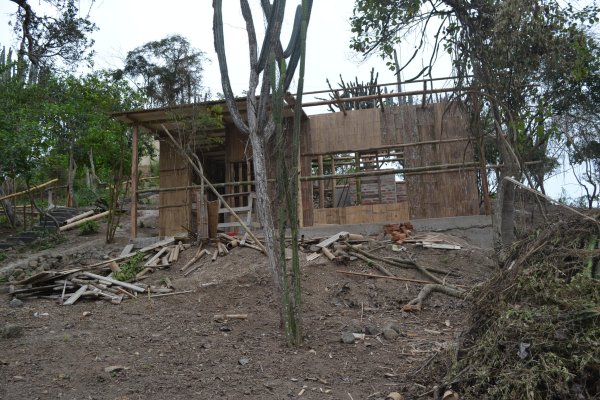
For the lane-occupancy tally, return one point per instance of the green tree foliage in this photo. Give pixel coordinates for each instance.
(21, 148)
(45, 39)
(169, 71)
(76, 115)
(515, 56)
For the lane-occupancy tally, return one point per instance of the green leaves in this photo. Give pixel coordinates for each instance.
(169, 71)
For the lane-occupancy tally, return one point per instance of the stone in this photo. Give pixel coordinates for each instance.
(17, 275)
(15, 302)
(393, 325)
(389, 333)
(348, 338)
(33, 264)
(11, 331)
(243, 361)
(371, 329)
(355, 326)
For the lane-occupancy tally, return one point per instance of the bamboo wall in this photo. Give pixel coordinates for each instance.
(174, 207)
(366, 213)
(336, 132)
(428, 194)
(439, 194)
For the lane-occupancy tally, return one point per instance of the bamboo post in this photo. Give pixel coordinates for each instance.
(134, 185)
(333, 182)
(321, 183)
(358, 186)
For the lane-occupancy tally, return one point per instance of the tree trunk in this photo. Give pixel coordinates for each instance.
(264, 210)
(9, 211)
(70, 179)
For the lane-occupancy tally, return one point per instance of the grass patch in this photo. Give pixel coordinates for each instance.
(89, 228)
(130, 268)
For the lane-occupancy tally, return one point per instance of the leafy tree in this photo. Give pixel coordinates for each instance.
(76, 121)
(169, 71)
(45, 39)
(515, 53)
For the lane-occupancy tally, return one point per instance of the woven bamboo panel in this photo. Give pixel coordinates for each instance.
(362, 214)
(336, 132)
(444, 194)
(174, 207)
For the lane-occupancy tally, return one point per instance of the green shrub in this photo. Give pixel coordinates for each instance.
(131, 268)
(89, 228)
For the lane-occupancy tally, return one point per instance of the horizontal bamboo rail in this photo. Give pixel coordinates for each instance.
(391, 147)
(43, 185)
(378, 96)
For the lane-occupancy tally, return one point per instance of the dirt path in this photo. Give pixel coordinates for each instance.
(171, 348)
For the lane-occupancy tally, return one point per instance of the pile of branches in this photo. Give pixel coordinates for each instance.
(534, 331)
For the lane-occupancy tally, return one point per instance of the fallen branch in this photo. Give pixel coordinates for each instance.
(170, 294)
(371, 263)
(416, 303)
(396, 278)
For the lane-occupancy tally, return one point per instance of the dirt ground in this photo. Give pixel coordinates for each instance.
(172, 348)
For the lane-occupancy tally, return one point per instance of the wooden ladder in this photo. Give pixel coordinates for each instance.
(239, 210)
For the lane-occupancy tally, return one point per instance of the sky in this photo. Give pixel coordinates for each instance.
(126, 24)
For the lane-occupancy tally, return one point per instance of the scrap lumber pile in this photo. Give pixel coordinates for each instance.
(70, 285)
(222, 246)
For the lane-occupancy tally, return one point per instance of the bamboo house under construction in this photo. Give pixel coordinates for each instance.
(383, 164)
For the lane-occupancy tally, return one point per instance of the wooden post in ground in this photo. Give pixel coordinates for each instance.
(134, 186)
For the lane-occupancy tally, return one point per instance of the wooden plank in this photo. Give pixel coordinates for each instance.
(115, 282)
(331, 239)
(441, 246)
(126, 250)
(73, 298)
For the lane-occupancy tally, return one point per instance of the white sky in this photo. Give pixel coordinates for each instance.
(126, 24)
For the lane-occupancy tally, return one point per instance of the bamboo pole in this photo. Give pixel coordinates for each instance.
(10, 196)
(384, 96)
(321, 183)
(82, 221)
(397, 146)
(78, 217)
